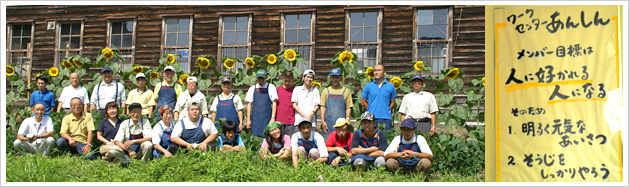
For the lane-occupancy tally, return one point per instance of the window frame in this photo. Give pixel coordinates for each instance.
(29, 52)
(283, 44)
(130, 60)
(220, 45)
(378, 42)
(57, 57)
(163, 33)
(448, 41)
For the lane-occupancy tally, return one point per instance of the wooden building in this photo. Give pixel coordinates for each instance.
(39, 37)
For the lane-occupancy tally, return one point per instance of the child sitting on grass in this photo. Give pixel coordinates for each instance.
(230, 141)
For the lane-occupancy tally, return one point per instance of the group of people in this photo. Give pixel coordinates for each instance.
(284, 116)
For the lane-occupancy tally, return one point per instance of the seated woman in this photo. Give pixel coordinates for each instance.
(230, 141)
(107, 129)
(280, 143)
(161, 134)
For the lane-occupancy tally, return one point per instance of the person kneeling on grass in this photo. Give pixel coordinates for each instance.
(133, 138)
(276, 144)
(162, 145)
(107, 129)
(195, 131)
(35, 133)
(368, 144)
(76, 131)
(308, 143)
(338, 143)
(409, 151)
(230, 141)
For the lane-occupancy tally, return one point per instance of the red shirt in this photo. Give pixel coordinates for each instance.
(285, 111)
(332, 141)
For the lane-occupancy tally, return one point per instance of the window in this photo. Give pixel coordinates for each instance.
(235, 38)
(432, 37)
(20, 46)
(69, 41)
(297, 34)
(122, 37)
(177, 39)
(364, 36)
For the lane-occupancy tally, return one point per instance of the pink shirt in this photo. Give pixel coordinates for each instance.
(265, 145)
(333, 140)
(285, 111)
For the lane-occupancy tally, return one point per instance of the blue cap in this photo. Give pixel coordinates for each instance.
(335, 71)
(417, 77)
(408, 123)
(106, 68)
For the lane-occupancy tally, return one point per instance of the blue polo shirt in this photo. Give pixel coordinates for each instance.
(379, 98)
(46, 97)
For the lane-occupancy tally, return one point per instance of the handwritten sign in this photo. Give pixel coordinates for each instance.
(554, 66)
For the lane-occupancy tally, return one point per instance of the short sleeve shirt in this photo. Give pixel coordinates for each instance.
(182, 103)
(334, 141)
(418, 105)
(70, 92)
(420, 140)
(128, 127)
(208, 127)
(77, 129)
(266, 145)
(237, 101)
(382, 142)
(271, 88)
(379, 98)
(158, 131)
(307, 100)
(158, 86)
(46, 97)
(31, 126)
(315, 136)
(145, 99)
(347, 96)
(105, 93)
(285, 111)
(220, 142)
(108, 130)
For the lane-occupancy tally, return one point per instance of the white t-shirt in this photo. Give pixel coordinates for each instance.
(158, 131)
(306, 100)
(184, 98)
(30, 126)
(208, 127)
(237, 101)
(127, 127)
(271, 88)
(421, 142)
(70, 92)
(418, 105)
(323, 150)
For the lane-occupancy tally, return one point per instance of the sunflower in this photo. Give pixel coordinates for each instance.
(271, 59)
(249, 61)
(66, 64)
(10, 71)
(419, 65)
(229, 63)
(315, 84)
(346, 56)
(290, 54)
(108, 53)
(53, 71)
(396, 81)
(203, 63)
(154, 75)
(369, 73)
(453, 73)
(171, 59)
(183, 79)
(78, 63)
(138, 69)
(483, 81)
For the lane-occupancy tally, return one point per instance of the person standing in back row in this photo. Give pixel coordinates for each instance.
(167, 91)
(336, 102)
(107, 91)
(379, 98)
(261, 104)
(285, 110)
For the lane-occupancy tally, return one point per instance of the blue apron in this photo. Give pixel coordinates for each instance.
(166, 96)
(232, 142)
(334, 109)
(164, 140)
(260, 111)
(226, 109)
(134, 147)
(193, 135)
(308, 145)
(413, 147)
(366, 143)
(274, 149)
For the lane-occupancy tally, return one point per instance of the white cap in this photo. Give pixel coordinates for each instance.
(192, 78)
(309, 71)
(140, 75)
(169, 68)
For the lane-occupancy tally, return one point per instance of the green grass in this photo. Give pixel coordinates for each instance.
(196, 167)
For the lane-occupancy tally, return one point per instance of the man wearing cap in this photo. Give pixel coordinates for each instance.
(35, 133)
(308, 143)
(162, 145)
(167, 91)
(339, 143)
(134, 137)
(227, 105)
(336, 102)
(77, 131)
(420, 106)
(195, 131)
(193, 93)
(72, 91)
(43, 95)
(107, 91)
(379, 98)
(408, 151)
(368, 144)
(285, 110)
(306, 99)
(261, 101)
(142, 96)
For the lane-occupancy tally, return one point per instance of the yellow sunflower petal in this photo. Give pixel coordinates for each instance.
(271, 59)
(290, 54)
(10, 71)
(249, 61)
(53, 71)
(171, 59)
(229, 63)
(154, 75)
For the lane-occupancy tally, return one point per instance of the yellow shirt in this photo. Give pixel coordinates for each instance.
(347, 96)
(77, 129)
(144, 98)
(178, 88)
